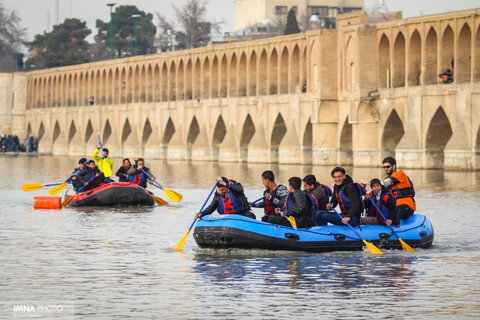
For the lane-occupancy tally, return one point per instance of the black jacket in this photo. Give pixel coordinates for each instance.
(122, 174)
(237, 190)
(353, 194)
(302, 209)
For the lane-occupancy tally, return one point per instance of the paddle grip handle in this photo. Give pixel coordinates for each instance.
(348, 224)
(101, 146)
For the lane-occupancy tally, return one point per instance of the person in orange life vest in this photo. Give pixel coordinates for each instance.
(297, 204)
(384, 201)
(347, 196)
(89, 172)
(274, 195)
(228, 199)
(137, 176)
(319, 191)
(399, 184)
(122, 172)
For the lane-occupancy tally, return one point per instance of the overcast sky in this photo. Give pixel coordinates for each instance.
(40, 15)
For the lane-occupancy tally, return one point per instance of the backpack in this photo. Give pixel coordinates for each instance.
(328, 190)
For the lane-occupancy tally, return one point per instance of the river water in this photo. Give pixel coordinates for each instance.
(118, 263)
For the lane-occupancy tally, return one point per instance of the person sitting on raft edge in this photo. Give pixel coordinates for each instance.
(297, 204)
(228, 199)
(102, 163)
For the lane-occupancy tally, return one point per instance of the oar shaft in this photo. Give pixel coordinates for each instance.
(201, 209)
(154, 181)
(257, 200)
(381, 213)
(348, 224)
(53, 184)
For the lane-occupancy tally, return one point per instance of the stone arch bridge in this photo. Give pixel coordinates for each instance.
(347, 96)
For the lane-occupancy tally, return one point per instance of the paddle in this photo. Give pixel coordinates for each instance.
(106, 169)
(290, 219)
(172, 195)
(69, 199)
(405, 246)
(57, 189)
(257, 200)
(181, 243)
(35, 186)
(371, 246)
(160, 201)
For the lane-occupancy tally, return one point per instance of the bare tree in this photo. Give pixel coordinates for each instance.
(11, 38)
(194, 28)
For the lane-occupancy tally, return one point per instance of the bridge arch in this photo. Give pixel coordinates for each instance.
(71, 132)
(263, 74)
(415, 59)
(346, 144)
(219, 133)
(393, 132)
(399, 61)
(384, 61)
(215, 77)
(223, 77)
(206, 79)
(192, 135)
(447, 61)
(278, 132)
(464, 56)
(477, 50)
(88, 131)
(188, 83)
(41, 131)
(252, 74)
(295, 84)
(431, 53)
(438, 133)
(146, 132)
(284, 62)
(107, 132)
(307, 153)
(273, 73)
(232, 76)
(168, 132)
(56, 132)
(242, 75)
(248, 131)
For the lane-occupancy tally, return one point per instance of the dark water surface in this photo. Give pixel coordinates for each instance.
(118, 263)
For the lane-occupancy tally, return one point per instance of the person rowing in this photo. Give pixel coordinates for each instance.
(139, 174)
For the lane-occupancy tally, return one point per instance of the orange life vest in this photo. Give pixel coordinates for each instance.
(403, 190)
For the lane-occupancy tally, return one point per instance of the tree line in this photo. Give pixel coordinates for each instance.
(66, 44)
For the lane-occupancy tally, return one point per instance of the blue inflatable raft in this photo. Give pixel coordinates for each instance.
(234, 231)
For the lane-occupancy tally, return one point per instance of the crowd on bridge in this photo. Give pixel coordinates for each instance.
(12, 143)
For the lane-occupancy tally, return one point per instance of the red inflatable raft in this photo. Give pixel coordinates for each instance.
(110, 194)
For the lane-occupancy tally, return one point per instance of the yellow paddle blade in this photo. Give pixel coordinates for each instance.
(181, 243)
(32, 186)
(57, 189)
(372, 247)
(405, 246)
(68, 200)
(172, 195)
(160, 201)
(292, 222)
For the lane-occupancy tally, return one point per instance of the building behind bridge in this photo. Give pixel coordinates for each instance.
(349, 95)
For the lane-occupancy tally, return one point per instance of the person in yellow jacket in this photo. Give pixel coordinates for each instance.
(105, 164)
(401, 187)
